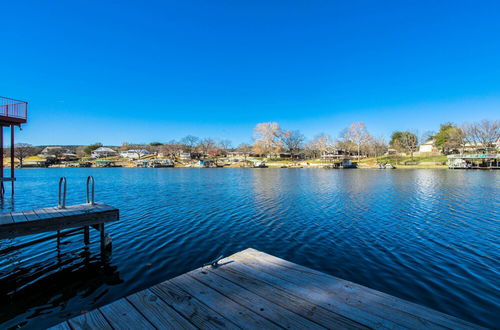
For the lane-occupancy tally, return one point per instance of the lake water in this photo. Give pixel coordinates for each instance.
(428, 236)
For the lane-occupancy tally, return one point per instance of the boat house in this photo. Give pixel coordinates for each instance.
(474, 161)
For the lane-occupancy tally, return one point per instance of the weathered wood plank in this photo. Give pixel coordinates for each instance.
(6, 218)
(239, 315)
(18, 217)
(253, 290)
(191, 308)
(333, 291)
(294, 301)
(122, 315)
(61, 326)
(53, 219)
(90, 320)
(30, 215)
(253, 302)
(158, 312)
(393, 307)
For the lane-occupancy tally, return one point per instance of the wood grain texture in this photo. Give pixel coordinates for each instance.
(90, 320)
(123, 315)
(53, 219)
(250, 290)
(158, 312)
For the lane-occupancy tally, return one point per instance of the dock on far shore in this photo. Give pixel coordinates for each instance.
(252, 289)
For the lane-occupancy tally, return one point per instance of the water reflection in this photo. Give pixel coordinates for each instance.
(30, 290)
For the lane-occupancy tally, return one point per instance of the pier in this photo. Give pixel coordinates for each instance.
(28, 222)
(252, 289)
(474, 161)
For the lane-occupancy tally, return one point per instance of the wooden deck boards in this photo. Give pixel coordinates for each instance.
(37, 221)
(251, 289)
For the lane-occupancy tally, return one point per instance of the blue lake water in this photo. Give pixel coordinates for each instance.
(428, 236)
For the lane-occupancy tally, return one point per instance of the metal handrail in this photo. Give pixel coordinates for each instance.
(61, 204)
(90, 197)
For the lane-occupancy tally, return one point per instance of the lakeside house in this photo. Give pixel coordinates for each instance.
(185, 155)
(103, 152)
(428, 147)
(333, 154)
(134, 153)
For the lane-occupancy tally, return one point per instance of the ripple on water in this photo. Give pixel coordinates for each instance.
(431, 237)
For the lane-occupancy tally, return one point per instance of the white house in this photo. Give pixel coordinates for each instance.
(428, 147)
(134, 153)
(103, 152)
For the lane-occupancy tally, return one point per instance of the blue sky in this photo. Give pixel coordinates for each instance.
(147, 71)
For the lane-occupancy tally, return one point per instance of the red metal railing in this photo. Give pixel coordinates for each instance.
(13, 108)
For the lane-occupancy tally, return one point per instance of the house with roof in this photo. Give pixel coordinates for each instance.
(428, 147)
(103, 152)
(134, 153)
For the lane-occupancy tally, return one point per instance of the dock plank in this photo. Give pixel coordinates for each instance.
(158, 312)
(319, 313)
(333, 291)
(6, 218)
(251, 289)
(18, 217)
(53, 219)
(255, 303)
(241, 316)
(391, 306)
(61, 326)
(122, 315)
(90, 320)
(191, 308)
(30, 215)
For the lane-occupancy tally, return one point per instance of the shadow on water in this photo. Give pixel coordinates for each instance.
(31, 291)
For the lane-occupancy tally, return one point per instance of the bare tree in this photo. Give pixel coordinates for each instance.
(190, 142)
(357, 134)
(225, 146)
(267, 138)
(293, 141)
(483, 134)
(24, 150)
(377, 146)
(208, 146)
(320, 144)
(245, 149)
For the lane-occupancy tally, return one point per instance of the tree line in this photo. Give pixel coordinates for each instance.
(269, 139)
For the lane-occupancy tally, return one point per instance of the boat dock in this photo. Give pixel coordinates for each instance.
(252, 289)
(15, 224)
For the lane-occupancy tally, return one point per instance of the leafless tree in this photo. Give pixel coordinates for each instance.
(357, 134)
(208, 146)
(190, 142)
(320, 144)
(245, 149)
(224, 146)
(24, 150)
(293, 141)
(376, 146)
(483, 134)
(267, 138)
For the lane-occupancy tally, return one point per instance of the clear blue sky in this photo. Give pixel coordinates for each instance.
(147, 71)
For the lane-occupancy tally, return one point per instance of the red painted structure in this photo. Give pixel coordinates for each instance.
(12, 113)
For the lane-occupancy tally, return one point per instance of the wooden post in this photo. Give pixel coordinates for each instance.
(103, 237)
(12, 157)
(86, 235)
(1, 162)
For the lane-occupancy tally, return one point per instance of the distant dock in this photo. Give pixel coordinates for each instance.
(474, 161)
(15, 224)
(253, 290)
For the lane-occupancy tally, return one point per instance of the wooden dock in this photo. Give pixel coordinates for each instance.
(14, 224)
(250, 290)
